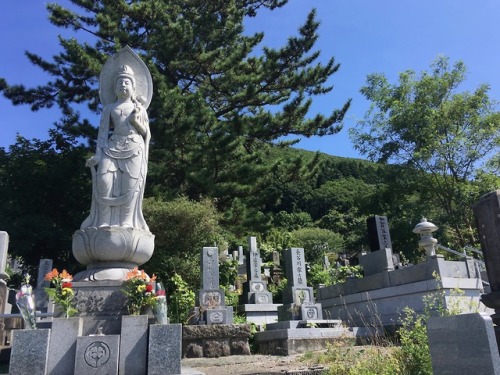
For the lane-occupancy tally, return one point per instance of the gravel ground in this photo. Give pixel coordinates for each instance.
(249, 364)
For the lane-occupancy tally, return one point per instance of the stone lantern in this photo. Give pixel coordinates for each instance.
(425, 229)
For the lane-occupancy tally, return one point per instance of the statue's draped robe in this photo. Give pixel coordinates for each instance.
(126, 155)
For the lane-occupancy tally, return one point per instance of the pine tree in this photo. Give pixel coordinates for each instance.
(221, 101)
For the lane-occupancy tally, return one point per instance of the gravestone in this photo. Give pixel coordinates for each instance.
(41, 298)
(210, 305)
(378, 233)
(241, 257)
(487, 214)
(463, 345)
(276, 271)
(255, 289)
(298, 298)
(4, 246)
(5, 306)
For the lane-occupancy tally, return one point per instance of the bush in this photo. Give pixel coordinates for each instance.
(181, 228)
(182, 300)
(317, 242)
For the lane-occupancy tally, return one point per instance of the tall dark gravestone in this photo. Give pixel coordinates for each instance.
(487, 214)
(378, 233)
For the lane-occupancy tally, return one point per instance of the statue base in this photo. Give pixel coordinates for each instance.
(110, 252)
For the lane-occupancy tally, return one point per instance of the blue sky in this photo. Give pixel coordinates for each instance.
(364, 36)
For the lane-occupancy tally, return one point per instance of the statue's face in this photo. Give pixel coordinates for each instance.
(124, 88)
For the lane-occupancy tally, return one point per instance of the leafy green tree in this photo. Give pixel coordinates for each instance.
(446, 137)
(222, 101)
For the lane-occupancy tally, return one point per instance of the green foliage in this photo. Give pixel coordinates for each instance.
(276, 289)
(318, 275)
(228, 272)
(317, 242)
(342, 359)
(292, 221)
(414, 355)
(446, 137)
(181, 227)
(342, 273)
(182, 300)
(45, 187)
(275, 240)
(334, 275)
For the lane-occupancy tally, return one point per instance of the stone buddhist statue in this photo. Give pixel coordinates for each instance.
(114, 238)
(121, 159)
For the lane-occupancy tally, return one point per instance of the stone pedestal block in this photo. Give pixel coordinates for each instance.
(97, 355)
(215, 340)
(134, 345)
(165, 342)
(102, 304)
(29, 352)
(463, 345)
(62, 346)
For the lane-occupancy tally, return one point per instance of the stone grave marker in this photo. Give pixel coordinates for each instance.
(378, 233)
(298, 298)
(4, 247)
(41, 298)
(210, 306)
(487, 214)
(241, 257)
(5, 306)
(255, 289)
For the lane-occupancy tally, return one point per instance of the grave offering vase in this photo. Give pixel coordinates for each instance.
(25, 301)
(160, 310)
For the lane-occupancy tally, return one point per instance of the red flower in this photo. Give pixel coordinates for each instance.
(149, 288)
(67, 285)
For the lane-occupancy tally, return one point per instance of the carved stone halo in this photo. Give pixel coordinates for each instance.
(143, 80)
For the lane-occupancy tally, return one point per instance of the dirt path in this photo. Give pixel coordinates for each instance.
(247, 364)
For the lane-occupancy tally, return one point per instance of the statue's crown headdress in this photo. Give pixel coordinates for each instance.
(126, 71)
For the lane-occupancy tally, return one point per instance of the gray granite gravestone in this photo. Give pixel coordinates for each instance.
(210, 305)
(463, 345)
(255, 289)
(378, 233)
(298, 298)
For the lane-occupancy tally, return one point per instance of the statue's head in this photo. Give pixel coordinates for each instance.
(125, 71)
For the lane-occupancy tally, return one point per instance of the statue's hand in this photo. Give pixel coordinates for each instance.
(93, 161)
